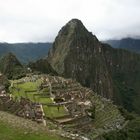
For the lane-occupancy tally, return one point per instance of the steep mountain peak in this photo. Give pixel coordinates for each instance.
(76, 53)
(74, 23)
(74, 26)
(75, 20)
(72, 38)
(11, 67)
(10, 56)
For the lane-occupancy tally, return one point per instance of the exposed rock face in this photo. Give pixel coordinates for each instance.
(78, 54)
(63, 43)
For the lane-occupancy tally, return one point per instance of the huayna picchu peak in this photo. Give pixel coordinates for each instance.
(74, 25)
(78, 54)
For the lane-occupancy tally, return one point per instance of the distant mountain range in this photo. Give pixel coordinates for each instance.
(130, 44)
(26, 52)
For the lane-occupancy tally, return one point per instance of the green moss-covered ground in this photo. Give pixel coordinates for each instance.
(15, 128)
(10, 133)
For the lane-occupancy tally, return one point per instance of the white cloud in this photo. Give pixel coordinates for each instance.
(40, 20)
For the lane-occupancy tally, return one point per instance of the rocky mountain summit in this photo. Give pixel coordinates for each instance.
(78, 54)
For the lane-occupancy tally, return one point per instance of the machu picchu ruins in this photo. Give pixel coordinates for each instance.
(63, 103)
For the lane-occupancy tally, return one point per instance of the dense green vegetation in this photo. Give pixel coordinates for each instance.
(126, 95)
(124, 67)
(130, 132)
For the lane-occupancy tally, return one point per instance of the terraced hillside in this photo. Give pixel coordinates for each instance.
(76, 110)
(31, 90)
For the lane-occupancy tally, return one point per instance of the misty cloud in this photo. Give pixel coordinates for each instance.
(40, 20)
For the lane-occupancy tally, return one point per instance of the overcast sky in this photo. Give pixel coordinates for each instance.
(40, 20)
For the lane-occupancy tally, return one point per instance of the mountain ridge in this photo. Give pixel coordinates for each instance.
(25, 52)
(131, 44)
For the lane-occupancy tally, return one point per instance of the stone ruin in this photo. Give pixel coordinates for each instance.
(71, 95)
(23, 108)
(76, 99)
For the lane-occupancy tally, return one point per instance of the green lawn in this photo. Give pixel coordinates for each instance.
(29, 86)
(54, 112)
(10, 133)
(45, 100)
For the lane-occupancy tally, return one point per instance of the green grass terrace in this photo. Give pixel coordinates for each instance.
(31, 91)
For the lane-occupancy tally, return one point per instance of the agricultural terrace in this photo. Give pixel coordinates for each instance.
(29, 88)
